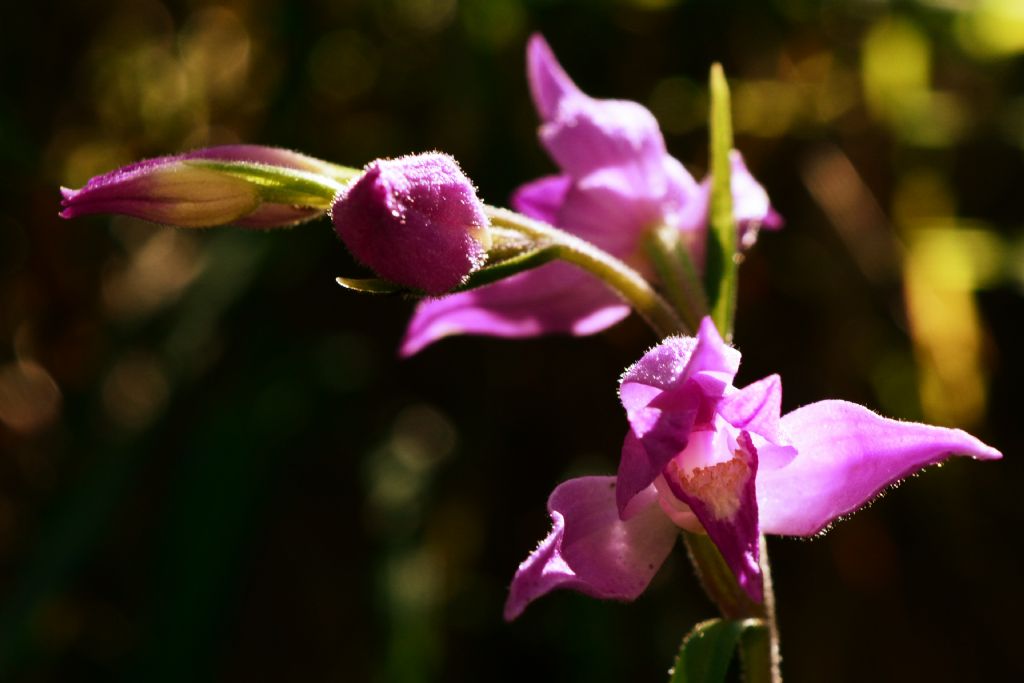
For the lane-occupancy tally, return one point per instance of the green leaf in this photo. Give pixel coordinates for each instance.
(500, 270)
(526, 260)
(370, 285)
(708, 649)
(720, 275)
(677, 274)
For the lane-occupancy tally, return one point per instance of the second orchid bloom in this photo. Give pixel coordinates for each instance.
(617, 182)
(703, 456)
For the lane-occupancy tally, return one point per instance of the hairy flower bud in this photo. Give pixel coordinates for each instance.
(207, 187)
(415, 220)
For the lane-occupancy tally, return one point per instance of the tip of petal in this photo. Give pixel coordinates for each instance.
(773, 221)
(986, 452)
(708, 331)
(70, 208)
(549, 82)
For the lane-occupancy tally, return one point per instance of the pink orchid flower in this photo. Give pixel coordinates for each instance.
(616, 182)
(704, 456)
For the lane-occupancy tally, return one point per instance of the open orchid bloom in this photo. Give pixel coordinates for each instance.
(704, 456)
(181, 190)
(616, 182)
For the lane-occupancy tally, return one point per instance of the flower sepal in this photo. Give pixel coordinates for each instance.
(279, 184)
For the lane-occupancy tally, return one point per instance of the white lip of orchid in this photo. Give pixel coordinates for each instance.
(707, 447)
(713, 468)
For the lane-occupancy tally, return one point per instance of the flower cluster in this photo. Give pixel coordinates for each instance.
(700, 454)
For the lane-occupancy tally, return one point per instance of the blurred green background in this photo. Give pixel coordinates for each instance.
(214, 467)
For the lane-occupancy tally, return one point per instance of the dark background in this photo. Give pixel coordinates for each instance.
(214, 467)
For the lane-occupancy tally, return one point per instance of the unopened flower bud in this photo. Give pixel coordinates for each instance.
(416, 221)
(206, 187)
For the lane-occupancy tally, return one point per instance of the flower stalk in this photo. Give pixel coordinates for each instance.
(759, 650)
(624, 280)
(677, 273)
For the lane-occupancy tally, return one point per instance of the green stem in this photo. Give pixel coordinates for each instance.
(774, 655)
(759, 650)
(625, 281)
(718, 580)
(679, 279)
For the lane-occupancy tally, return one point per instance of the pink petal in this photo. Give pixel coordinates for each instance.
(673, 386)
(749, 199)
(676, 359)
(542, 198)
(773, 221)
(613, 207)
(549, 84)
(713, 360)
(755, 408)
(588, 134)
(751, 209)
(846, 456)
(583, 134)
(736, 535)
(656, 436)
(590, 549)
(555, 298)
(660, 368)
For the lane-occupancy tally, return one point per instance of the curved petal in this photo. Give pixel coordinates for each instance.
(549, 84)
(660, 368)
(847, 455)
(555, 298)
(613, 207)
(542, 198)
(587, 134)
(723, 497)
(712, 354)
(749, 199)
(755, 408)
(583, 134)
(590, 549)
(674, 386)
(677, 359)
(656, 435)
(773, 221)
